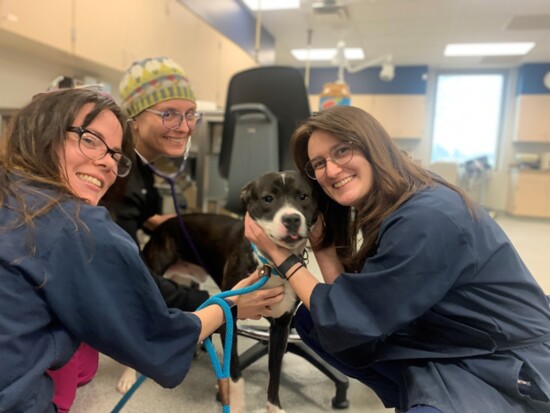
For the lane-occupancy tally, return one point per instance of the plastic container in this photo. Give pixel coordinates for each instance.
(334, 94)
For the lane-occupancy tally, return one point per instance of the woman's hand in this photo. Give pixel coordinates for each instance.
(154, 221)
(256, 303)
(255, 234)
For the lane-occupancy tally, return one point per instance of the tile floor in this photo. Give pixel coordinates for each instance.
(303, 388)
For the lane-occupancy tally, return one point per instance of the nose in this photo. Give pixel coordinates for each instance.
(332, 168)
(183, 127)
(291, 222)
(107, 162)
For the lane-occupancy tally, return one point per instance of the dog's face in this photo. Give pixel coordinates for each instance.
(282, 204)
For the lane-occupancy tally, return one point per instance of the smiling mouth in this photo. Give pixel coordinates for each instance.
(176, 140)
(343, 182)
(90, 179)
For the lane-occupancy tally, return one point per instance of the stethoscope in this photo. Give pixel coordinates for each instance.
(171, 179)
(221, 370)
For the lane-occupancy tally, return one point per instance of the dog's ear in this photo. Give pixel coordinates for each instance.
(246, 193)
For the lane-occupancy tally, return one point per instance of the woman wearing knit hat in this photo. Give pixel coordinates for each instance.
(157, 97)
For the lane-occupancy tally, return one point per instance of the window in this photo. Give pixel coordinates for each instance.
(467, 121)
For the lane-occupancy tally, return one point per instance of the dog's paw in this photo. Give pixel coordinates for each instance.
(236, 396)
(127, 380)
(271, 408)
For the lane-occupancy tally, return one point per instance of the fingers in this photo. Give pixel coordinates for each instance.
(267, 312)
(248, 228)
(245, 282)
(269, 293)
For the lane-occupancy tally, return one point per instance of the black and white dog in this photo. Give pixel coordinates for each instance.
(282, 204)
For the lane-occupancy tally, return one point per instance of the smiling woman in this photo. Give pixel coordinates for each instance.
(425, 299)
(87, 167)
(37, 156)
(71, 278)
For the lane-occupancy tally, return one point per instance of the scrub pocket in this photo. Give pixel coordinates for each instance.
(528, 387)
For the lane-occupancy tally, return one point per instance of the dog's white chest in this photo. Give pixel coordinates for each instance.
(289, 300)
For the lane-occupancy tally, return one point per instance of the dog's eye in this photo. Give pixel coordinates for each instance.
(268, 199)
(302, 197)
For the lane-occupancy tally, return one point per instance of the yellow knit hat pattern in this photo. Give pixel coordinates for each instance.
(150, 81)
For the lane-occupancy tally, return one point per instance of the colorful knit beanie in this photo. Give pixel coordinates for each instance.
(151, 81)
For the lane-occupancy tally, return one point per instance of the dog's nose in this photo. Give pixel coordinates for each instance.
(292, 222)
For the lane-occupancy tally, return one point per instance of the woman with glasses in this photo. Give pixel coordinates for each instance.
(69, 274)
(157, 97)
(424, 299)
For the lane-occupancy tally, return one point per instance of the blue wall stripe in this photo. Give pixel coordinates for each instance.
(232, 19)
(530, 80)
(408, 80)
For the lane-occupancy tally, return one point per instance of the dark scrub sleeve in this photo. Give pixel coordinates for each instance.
(101, 291)
(420, 254)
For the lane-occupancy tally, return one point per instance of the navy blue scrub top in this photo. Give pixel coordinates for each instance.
(84, 282)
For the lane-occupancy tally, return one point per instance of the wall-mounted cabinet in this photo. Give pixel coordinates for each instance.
(46, 22)
(529, 193)
(403, 116)
(532, 124)
(85, 35)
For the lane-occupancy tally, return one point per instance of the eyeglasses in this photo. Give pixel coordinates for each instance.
(340, 155)
(172, 119)
(93, 147)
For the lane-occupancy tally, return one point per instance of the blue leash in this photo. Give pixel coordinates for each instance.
(222, 373)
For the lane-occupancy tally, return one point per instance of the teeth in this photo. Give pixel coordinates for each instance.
(343, 182)
(176, 140)
(90, 179)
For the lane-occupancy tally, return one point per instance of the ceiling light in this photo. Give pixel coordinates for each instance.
(255, 5)
(488, 49)
(351, 53)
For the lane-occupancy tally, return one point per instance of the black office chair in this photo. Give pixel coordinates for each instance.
(264, 106)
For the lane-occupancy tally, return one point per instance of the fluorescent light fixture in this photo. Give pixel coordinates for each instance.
(488, 49)
(351, 53)
(254, 5)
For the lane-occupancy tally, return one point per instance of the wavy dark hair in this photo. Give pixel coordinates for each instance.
(396, 177)
(29, 160)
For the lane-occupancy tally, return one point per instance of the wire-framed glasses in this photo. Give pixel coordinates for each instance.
(339, 154)
(172, 119)
(93, 147)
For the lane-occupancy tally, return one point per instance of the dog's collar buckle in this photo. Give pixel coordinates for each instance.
(272, 268)
(266, 270)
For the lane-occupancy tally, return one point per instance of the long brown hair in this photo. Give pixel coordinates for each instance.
(29, 160)
(395, 179)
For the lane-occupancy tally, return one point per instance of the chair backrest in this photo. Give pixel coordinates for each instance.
(282, 91)
(255, 149)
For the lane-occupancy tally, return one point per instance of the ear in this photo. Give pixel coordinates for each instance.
(246, 193)
(133, 124)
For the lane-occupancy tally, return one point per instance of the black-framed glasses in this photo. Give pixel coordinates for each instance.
(339, 154)
(93, 147)
(172, 119)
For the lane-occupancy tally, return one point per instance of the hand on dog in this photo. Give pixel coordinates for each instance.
(258, 303)
(255, 234)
